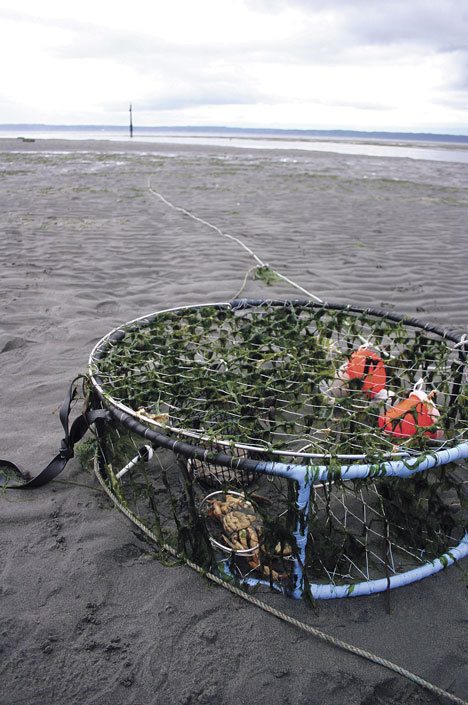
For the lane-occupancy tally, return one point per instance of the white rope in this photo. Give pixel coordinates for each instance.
(237, 240)
(462, 342)
(244, 283)
(271, 610)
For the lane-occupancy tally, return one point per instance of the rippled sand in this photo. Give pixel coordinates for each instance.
(87, 617)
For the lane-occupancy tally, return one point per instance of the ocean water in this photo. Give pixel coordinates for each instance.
(393, 146)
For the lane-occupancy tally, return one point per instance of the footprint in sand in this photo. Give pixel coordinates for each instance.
(14, 344)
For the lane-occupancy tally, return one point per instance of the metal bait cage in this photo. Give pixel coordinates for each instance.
(312, 448)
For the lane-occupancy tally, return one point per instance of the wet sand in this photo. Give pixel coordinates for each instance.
(87, 615)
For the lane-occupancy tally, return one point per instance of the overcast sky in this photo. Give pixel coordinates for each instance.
(360, 64)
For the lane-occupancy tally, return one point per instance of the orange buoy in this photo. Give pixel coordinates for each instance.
(407, 417)
(367, 366)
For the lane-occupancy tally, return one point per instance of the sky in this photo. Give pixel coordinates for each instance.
(398, 65)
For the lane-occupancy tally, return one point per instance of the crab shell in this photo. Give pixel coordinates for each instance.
(243, 531)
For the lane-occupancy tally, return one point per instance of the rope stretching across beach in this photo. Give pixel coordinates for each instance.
(260, 262)
(385, 663)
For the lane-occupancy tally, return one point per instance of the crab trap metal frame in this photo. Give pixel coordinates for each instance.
(310, 488)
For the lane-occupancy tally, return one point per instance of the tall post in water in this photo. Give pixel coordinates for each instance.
(131, 121)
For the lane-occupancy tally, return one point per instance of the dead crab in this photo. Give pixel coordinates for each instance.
(243, 531)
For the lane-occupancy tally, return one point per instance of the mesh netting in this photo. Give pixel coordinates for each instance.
(268, 378)
(265, 407)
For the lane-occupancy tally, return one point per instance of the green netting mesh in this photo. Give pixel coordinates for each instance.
(305, 384)
(270, 377)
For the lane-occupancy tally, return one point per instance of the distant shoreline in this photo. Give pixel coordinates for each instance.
(287, 145)
(241, 132)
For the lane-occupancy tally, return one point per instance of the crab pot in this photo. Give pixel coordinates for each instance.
(281, 458)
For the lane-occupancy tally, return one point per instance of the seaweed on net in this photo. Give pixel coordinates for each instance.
(254, 383)
(344, 544)
(158, 492)
(260, 377)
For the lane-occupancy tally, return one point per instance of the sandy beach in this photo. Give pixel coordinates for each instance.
(87, 614)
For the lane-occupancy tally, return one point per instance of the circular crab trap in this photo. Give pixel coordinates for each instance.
(333, 437)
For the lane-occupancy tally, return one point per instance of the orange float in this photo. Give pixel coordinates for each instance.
(407, 417)
(367, 366)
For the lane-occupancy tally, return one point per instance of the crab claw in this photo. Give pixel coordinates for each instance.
(216, 509)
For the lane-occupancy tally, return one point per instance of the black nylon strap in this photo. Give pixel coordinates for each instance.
(73, 434)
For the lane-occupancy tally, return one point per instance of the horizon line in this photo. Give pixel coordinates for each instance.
(323, 131)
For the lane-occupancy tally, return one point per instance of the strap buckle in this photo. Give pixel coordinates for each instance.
(66, 450)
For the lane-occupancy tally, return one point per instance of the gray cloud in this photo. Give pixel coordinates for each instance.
(458, 80)
(186, 97)
(330, 33)
(358, 103)
(442, 24)
(382, 33)
(331, 30)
